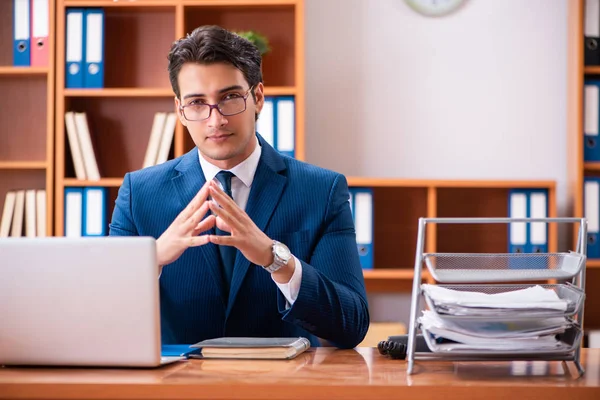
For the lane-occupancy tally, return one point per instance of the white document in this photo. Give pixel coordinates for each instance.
(533, 335)
(532, 297)
(531, 328)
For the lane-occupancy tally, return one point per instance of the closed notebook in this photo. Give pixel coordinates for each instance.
(252, 347)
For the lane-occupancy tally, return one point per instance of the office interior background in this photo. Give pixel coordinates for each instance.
(478, 94)
(473, 102)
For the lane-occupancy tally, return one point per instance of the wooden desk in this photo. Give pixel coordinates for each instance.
(323, 373)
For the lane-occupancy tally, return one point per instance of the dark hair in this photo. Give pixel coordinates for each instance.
(213, 44)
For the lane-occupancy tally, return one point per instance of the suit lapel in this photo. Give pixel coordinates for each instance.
(267, 188)
(187, 184)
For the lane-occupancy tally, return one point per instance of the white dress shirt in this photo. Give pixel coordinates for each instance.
(241, 183)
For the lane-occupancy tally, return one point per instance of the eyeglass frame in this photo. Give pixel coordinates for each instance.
(216, 106)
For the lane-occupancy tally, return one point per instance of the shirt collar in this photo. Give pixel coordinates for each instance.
(244, 171)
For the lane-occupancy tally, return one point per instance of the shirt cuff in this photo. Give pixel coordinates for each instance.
(291, 289)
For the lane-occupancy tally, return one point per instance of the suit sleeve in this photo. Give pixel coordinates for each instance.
(332, 302)
(122, 219)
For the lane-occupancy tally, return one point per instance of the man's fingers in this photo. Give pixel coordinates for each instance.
(204, 225)
(222, 225)
(222, 240)
(223, 199)
(197, 216)
(194, 241)
(196, 202)
(222, 213)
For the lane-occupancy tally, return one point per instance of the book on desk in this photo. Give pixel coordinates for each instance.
(284, 348)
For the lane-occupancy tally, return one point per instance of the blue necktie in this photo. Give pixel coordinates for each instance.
(227, 252)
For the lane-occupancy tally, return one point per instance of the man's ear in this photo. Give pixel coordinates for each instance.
(259, 95)
(180, 112)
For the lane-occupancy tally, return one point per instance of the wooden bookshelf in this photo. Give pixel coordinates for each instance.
(578, 168)
(27, 71)
(26, 118)
(104, 182)
(120, 92)
(138, 36)
(23, 165)
(399, 203)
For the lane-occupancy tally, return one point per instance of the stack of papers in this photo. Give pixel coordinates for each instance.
(530, 301)
(537, 334)
(494, 322)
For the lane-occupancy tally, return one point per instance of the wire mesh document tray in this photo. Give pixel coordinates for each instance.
(456, 324)
(446, 267)
(572, 295)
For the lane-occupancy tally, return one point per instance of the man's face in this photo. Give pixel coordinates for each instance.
(225, 141)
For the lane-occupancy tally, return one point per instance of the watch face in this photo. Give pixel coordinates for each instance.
(282, 251)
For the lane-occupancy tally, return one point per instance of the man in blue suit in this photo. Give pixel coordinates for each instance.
(250, 242)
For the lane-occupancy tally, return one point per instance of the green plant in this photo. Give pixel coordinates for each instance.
(260, 41)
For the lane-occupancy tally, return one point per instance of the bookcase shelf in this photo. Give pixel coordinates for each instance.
(578, 168)
(26, 118)
(23, 118)
(141, 4)
(399, 203)
(120, 92)
(120, 129)
(138, 36)
(592, 166)
(12, 71)
(280, 90)
(23, 165)
(592, 70)
(439, 183)
(103, 182)
(240, 3)
(390, 280)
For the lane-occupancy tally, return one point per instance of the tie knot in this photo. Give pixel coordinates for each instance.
(224, 177)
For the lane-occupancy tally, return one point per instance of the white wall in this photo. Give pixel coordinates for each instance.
(479, 94)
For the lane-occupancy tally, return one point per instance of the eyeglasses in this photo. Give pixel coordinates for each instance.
(232, 104)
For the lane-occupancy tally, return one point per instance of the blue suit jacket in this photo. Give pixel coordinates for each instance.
(298, 204)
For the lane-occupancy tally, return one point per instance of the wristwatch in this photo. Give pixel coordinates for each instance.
(281, 256)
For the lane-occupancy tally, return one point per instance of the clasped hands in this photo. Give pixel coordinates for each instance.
(185, 230)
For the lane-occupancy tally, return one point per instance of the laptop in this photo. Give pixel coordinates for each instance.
(91, 301)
